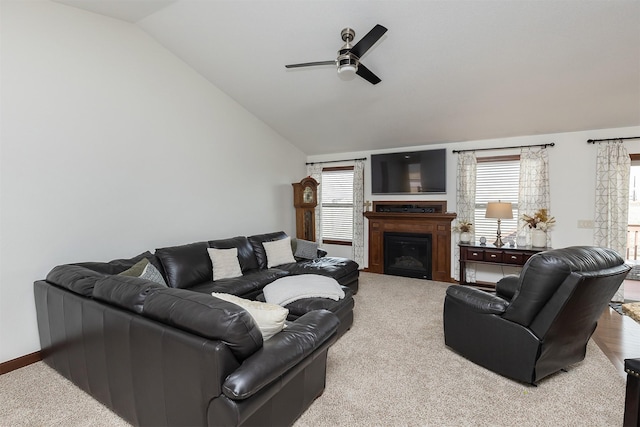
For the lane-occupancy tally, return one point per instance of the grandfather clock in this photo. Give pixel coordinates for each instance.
(305, 200)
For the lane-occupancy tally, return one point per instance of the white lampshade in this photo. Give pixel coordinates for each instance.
(499, 210)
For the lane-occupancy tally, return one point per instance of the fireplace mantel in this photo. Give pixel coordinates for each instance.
(436, 224)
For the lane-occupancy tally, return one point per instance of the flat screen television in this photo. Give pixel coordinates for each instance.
(412, 172)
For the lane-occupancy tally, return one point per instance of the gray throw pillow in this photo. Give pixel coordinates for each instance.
(144, 270)
(151, 273)
(306, 249)
(136, 270)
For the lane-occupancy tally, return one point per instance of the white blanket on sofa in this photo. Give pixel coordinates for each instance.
(291, 288)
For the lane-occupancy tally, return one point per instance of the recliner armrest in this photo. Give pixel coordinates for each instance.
(506, 287)
(477, 300)
(632, 367)
(311, 332)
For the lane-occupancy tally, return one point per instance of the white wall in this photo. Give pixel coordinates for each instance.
(111, 146)
(572, 164)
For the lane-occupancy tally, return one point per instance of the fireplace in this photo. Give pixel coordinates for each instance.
(407, 254)
(412, 217)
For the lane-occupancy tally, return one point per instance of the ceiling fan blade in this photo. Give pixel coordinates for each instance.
(310, 64)
(366, 74)
(368, 40)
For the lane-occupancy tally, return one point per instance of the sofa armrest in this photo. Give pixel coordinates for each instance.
(77, 279)
(281, 353)
(506, 287)
(477, 300)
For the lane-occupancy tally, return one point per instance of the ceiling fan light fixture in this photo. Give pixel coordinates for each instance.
(347, 64)
(348, 68)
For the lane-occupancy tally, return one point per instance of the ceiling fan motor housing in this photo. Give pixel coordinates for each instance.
(346, 61)
(347, 34)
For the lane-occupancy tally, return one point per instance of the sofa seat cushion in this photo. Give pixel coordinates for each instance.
(245, 286)
(335, 267)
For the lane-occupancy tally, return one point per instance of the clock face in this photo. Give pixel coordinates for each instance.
(307, 195)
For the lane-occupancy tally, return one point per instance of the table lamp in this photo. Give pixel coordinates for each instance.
(499, 210)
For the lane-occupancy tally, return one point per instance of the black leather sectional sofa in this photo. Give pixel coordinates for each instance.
(176, 355)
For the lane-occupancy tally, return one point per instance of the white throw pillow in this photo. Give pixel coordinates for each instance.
(225, 263)
(269, 317)
(278, 252)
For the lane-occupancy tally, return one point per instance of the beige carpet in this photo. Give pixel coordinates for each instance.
(390, 369)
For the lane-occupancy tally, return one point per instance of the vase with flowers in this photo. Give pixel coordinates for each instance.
(539, 224)
(464, 228)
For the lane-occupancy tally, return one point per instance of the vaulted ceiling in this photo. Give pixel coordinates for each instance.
(451, 70)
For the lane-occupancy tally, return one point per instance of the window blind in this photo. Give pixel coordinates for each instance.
(337, 205)
(496, 181)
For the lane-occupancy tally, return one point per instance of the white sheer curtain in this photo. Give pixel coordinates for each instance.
(315, 172)
(612, 200)
(534, 186)
(465, 205)
(357, 243)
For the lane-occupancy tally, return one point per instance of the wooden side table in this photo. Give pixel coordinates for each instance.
(489, 254)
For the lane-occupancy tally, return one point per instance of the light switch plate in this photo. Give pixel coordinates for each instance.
(585, 223)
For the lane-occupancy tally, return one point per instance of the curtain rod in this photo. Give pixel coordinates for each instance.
(593, 141)
(550, 144)
(334, 161)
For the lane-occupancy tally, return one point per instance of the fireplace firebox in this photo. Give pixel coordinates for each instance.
(407, 254)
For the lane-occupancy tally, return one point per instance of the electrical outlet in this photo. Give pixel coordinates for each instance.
(585, 223)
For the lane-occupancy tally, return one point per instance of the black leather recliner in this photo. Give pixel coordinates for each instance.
(539, 322)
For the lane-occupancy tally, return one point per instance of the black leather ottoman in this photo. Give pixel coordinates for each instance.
(344, 270)
(342, 308)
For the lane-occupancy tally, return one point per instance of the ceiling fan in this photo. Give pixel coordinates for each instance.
(348, 60)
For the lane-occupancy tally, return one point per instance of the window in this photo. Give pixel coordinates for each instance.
(633, 224)
(337, 205)
(497, 178)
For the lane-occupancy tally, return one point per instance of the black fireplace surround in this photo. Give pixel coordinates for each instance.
(407, 254)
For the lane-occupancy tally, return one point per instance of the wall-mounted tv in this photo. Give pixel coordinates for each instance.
(412, 172)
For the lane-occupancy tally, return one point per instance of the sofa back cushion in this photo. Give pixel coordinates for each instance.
(117, 266)
(206, 316)
(246, 255)
(125, 291)
(258, 249)
(186, 265)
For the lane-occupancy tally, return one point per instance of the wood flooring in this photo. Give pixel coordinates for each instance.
(618, 336)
